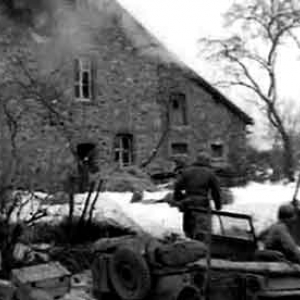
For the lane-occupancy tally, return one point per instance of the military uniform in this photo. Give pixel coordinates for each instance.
(279, 237)
(191, 191)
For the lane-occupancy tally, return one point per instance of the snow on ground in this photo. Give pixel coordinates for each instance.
(259, 200)
(158, 219)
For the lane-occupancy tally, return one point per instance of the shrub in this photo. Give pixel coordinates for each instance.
(63, 233)
(72, 242)
(129, 179)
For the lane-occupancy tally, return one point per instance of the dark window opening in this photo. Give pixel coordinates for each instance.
(123, 149)
(87, 163)
(217, 150)
(179, 148)
(77, 70)
(175, 104)
(83, 79)
(87, 156)
(178, 113)
(84, 150)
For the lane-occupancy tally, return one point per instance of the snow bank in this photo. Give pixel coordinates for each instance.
(261, 201)
(157, 219)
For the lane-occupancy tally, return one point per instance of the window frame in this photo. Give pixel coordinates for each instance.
(213, 153)
(120, 150)
(82, 65)
(181, 102)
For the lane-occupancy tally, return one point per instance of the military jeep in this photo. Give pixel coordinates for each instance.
(232, 267)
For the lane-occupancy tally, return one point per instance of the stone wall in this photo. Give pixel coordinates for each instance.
(209, 121)
(130, 95)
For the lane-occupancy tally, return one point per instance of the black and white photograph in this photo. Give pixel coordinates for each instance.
(149, 149)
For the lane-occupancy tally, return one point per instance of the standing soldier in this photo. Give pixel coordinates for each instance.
(192, 189)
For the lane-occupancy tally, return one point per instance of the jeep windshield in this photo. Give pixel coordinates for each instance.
(232, 225)
(232, 236)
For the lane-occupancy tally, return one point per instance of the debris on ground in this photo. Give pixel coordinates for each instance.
(7, 289)
(77, 295)
(43, 281)
(30, 254)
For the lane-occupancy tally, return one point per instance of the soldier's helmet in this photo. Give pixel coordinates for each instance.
(286, 211)
(203, 157)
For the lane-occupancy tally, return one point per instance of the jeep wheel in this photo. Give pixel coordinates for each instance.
(129, 275)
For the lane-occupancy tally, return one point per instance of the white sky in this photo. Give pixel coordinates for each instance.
(179, 24)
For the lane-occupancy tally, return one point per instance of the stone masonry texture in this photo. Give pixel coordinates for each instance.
(131, 94)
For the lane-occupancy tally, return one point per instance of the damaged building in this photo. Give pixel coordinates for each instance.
(117, 97)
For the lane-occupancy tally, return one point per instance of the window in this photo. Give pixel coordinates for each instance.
(85, 150)
(83, 79)
(123, 149)
(179, 148)
(217, 150)
(178, 113)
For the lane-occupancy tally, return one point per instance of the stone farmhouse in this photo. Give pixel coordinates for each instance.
(128, 100)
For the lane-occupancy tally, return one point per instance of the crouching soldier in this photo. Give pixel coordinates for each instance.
(279, 238)
(191, 191)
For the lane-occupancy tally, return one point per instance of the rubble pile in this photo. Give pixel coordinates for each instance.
(47, 282)
(41, 277)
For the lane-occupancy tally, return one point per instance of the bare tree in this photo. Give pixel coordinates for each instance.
(34, 79)
(250, 57)
(33, 85)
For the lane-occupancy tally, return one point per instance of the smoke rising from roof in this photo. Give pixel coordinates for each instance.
(72, 24)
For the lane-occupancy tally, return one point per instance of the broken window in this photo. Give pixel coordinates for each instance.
(83, 79)
(123, 149)
(217, 150)
(179, 148)
(178, 111)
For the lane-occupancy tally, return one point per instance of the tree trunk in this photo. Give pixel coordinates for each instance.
(288, 153)
(288, 157)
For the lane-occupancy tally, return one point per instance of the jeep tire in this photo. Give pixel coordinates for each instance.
(129, 274)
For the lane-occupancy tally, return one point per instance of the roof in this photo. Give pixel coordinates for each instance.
(147, 44)
(218, 96)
